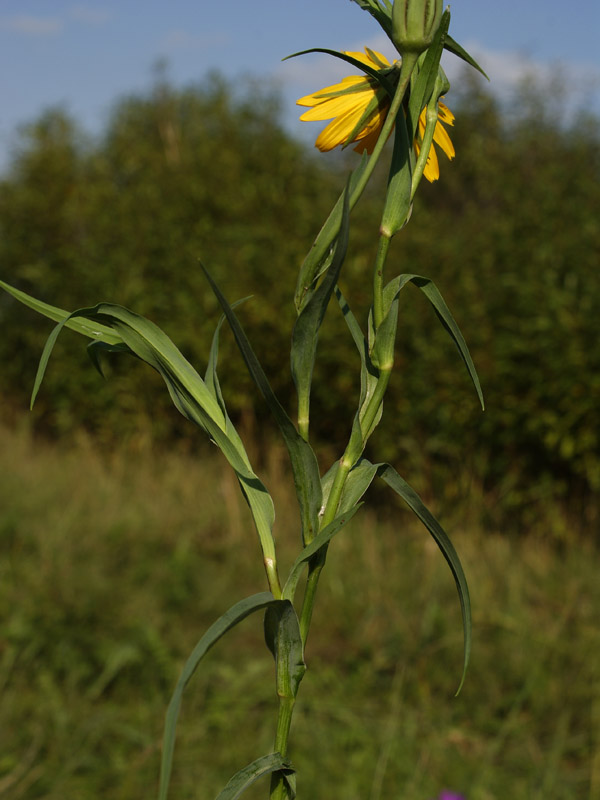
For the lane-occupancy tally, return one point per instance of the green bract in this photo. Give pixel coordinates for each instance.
(414, 23)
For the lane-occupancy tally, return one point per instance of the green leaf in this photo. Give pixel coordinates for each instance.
(257, 769)
(382, 354)
(210, 377)
(316, 260)
(97, 349)
(369, 375)
(376, 74)
(320, 541)
(358, 481)
(83, 326)
(422, 88)
(304, 462)
(236, 614)
(282, 635)
(306, 330)
(414, 502)
(432, 293)
(352, 323)
(368, 372)
(190, 396)
(453, 47)
(212, 380)
(382, 15)
(397, 207)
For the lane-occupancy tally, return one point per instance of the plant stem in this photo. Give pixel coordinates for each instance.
(382, 251)
(284, 720)
(406, 69)
(354, 448)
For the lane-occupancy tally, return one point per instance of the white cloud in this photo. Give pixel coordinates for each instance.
(573, 84)
(316, 70)
(32, 26)
(507, 71)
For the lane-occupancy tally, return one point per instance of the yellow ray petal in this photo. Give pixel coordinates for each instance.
(445, 115)
(338, 131)
(432, 166)
(322, 95)
(364, 58)
(338, 105)
(368, 139)
(440, 137)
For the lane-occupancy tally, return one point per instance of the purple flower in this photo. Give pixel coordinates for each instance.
(446, 795)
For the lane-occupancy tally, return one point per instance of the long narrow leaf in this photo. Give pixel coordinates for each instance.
(304, 462)
(368, 372)
(212, 379)
(414, 502)
(210, 376)
(383, 17)
(453, 46)
(321, 540)
(257, 769)
(306, 330)
(236, 614)
(423, 85)
(282, 635)
(318, 253)
(443, 313)
(83, 326)
(358, 481)
(191, 397)
(377, 74)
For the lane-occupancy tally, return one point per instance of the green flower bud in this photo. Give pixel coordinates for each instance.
(414, 23)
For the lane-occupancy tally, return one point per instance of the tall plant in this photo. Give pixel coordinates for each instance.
(400, 99)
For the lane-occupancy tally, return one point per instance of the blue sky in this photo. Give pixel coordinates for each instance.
(84, 55)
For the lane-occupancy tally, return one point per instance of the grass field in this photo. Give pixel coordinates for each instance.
(112, 567)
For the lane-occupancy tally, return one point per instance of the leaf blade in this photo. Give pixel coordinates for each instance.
(321, 540)
(98, 331)
(307, 479)
(245, 777)
(433, 294)
(228, 620)
(390, 476)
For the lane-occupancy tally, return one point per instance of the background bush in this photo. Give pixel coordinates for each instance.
(510, 234)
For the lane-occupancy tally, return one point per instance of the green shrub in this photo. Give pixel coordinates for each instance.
(185, 174)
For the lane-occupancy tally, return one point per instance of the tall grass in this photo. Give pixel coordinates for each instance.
(109, 574)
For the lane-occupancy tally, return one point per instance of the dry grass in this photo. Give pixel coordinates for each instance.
(112, 566)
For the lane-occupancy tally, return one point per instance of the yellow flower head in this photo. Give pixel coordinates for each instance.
(358, 106)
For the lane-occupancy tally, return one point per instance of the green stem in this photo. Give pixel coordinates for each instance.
(272, 576)
(382, 251)
(353, 449)
(375, 402)
(405, 72)
(284, 720)
(408, 64)
(304, 413)
(316, 565)
(426, 144)
(308, 603)
(320, 247)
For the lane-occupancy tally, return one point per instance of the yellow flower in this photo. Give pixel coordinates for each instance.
(361, 100)
(440, 137)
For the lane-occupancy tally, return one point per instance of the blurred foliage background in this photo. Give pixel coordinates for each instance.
(510, 234)
(119, 548)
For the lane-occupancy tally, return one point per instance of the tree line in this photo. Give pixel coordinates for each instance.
(510, 234)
